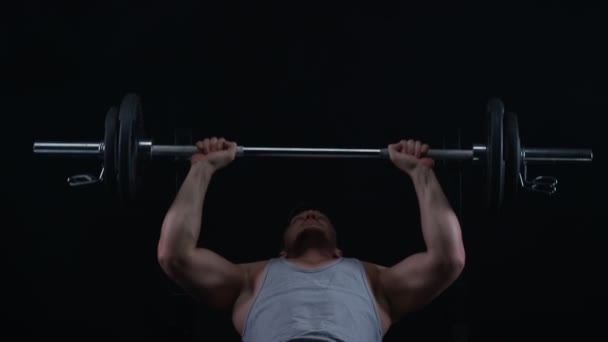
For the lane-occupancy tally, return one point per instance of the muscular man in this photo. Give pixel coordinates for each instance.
(310, 292)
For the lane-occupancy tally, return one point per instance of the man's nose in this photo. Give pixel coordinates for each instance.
(311, 214)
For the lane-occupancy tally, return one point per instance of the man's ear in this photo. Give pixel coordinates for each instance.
(283, 253)
(338, 252)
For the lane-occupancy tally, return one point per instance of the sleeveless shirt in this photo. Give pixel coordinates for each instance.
(330, 303)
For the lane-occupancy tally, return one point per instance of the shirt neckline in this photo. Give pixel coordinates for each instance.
(310, 270)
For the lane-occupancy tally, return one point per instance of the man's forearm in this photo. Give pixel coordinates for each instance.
(182, 223)
(440, 225)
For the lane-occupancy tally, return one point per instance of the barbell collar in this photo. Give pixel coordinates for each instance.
(145, 148)
(479, 153)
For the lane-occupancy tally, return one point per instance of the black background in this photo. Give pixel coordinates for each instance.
(339, 74)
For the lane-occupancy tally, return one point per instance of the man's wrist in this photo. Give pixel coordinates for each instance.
(204, 168)
(419, 172)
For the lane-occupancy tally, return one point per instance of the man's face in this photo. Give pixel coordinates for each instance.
(309, 223)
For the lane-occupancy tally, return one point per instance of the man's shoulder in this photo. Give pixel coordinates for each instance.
(253, 264)
(368, 264)
(253, 268)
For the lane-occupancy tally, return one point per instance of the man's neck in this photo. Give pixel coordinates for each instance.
(314, 257)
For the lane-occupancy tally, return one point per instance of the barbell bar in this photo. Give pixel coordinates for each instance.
(502, 157)
(151, 151)
(475, 154)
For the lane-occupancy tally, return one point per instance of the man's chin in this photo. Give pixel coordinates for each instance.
(312, 231)
(312, 237)
(312, 226)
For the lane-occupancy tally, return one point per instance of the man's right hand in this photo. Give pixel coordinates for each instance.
(408, 155)
(217, 152)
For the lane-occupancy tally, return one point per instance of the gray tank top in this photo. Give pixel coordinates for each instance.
(329, 303)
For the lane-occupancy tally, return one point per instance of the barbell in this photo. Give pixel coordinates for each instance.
(502, 158)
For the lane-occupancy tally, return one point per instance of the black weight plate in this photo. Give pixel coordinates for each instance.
(495, 166)
(130, 132)
(512, 156)
(109, 151)
(138, 136)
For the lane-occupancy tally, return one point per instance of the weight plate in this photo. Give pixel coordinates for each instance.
(130, 132)
(495, 166)
(109, 150)
(512, 156)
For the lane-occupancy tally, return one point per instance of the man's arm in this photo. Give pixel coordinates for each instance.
(200, 271)
(420, 278)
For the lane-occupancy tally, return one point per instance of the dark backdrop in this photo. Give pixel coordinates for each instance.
(339, 74)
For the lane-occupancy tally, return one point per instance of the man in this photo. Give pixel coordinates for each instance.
(310, 292)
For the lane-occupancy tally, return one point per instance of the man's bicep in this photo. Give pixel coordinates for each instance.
(415, 281)
(210, 277)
